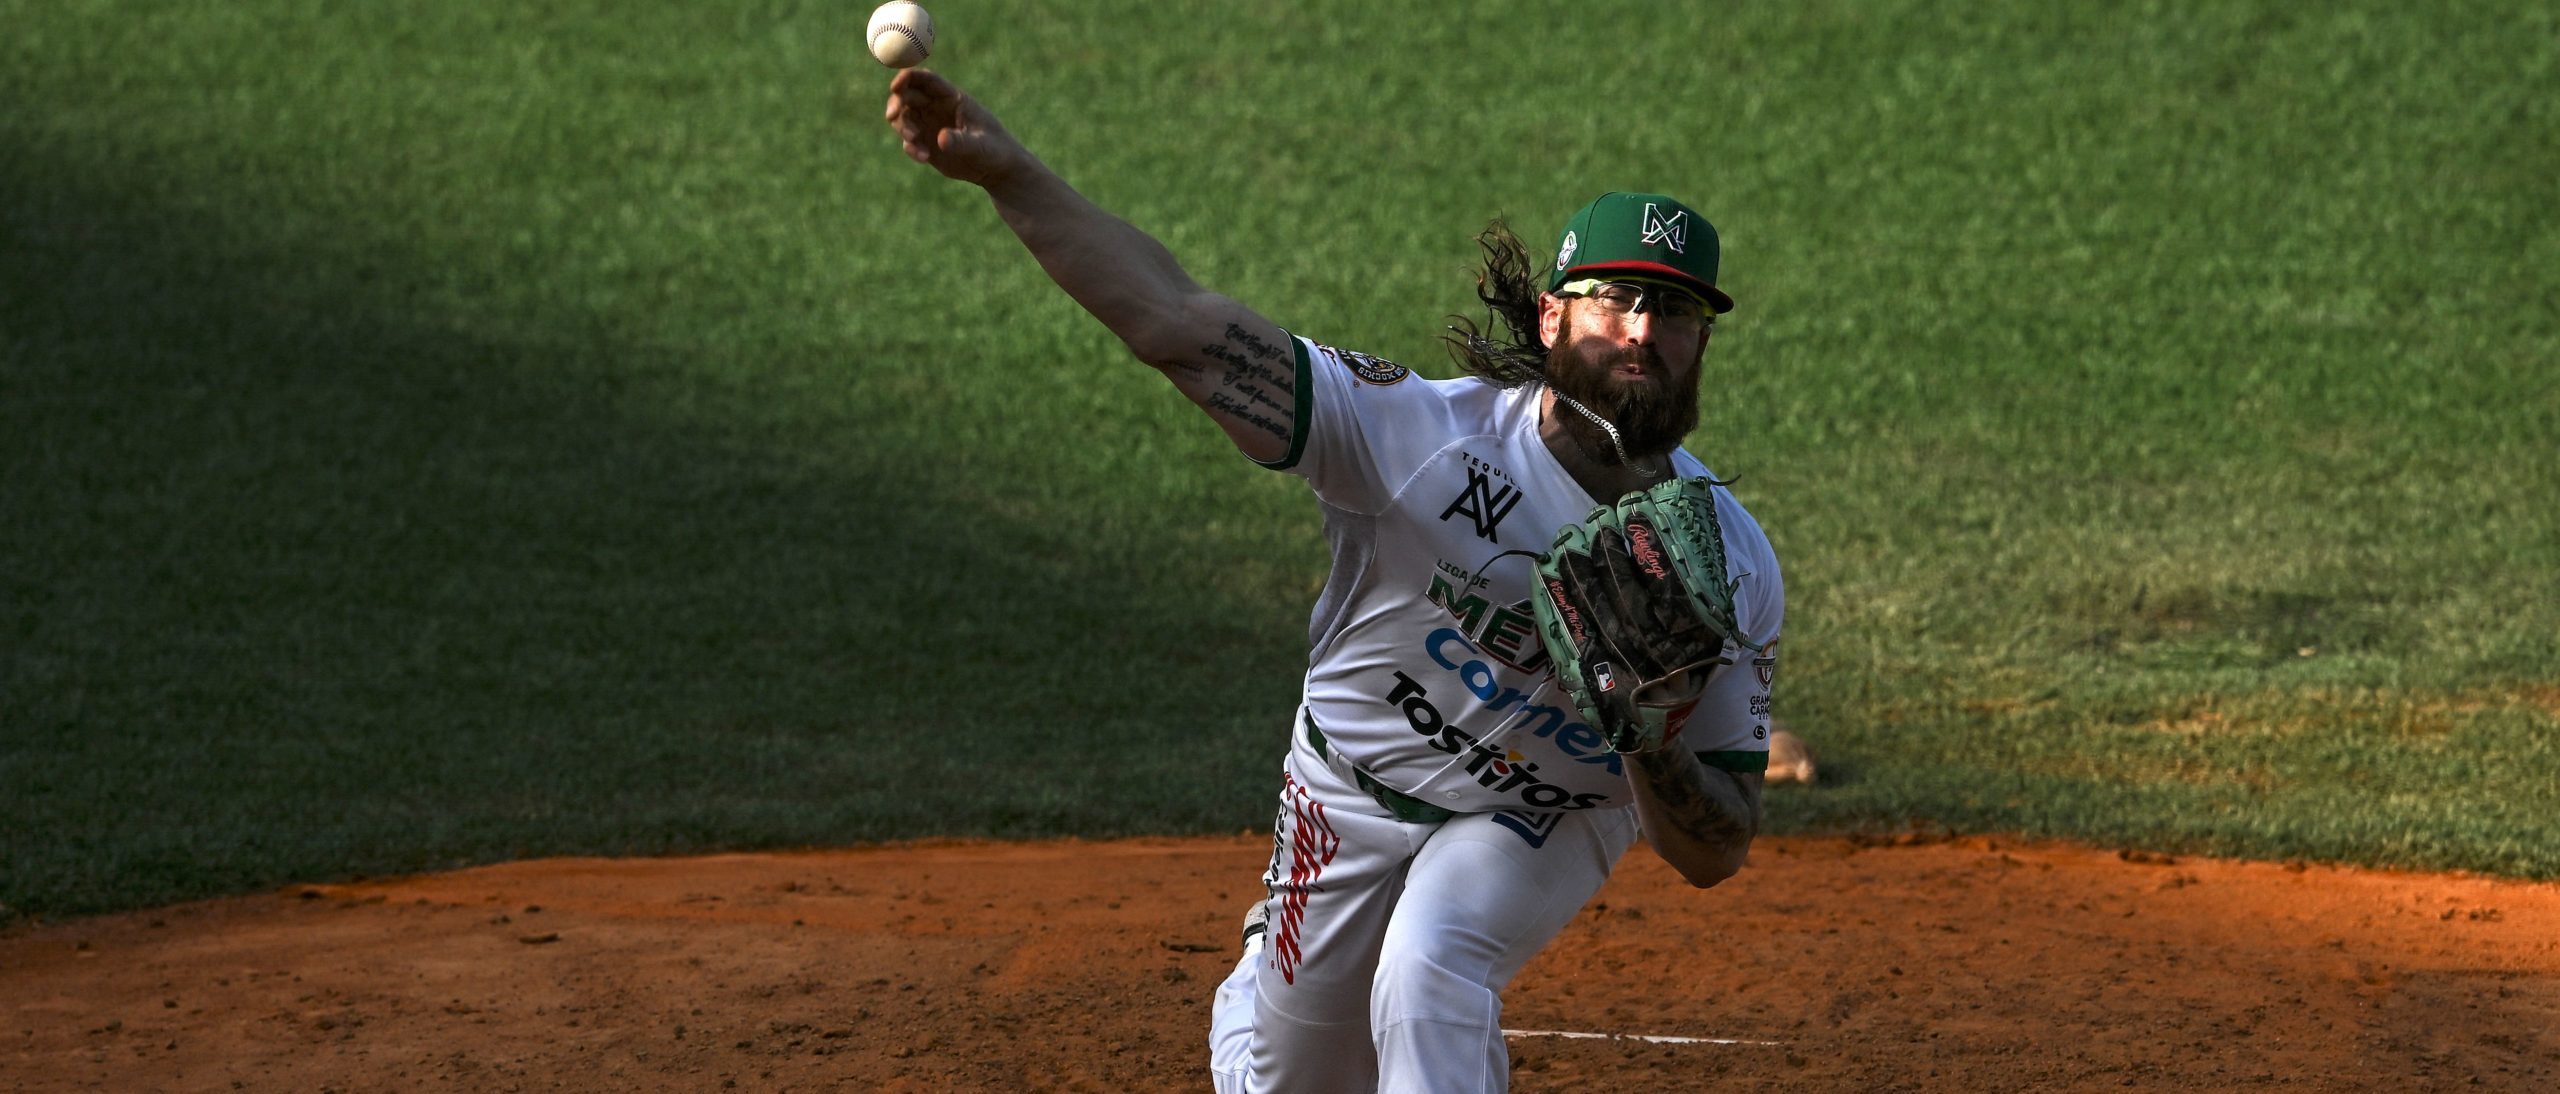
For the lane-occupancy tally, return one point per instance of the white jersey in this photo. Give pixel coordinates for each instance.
(1426, 668)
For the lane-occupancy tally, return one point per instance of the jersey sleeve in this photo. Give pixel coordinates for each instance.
(1729, 728)
(1365, 425)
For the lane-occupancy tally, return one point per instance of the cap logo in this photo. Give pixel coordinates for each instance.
(1564, 254)
(1673, 232)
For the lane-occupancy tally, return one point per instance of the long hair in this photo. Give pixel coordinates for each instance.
(1508, 284)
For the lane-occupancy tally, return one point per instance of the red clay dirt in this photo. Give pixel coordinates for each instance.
(1964, 965)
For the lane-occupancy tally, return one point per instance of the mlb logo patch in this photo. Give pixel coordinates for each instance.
(1601, 676)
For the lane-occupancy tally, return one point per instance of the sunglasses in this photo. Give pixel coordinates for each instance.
(1666, 303)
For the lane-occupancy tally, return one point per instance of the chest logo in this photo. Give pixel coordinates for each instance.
(1482, 503)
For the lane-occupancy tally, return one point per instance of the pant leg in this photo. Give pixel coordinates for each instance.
(1231, 1024)
(1295, 1015)
(1485, 894)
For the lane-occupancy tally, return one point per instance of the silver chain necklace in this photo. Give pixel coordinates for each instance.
(1611, 431)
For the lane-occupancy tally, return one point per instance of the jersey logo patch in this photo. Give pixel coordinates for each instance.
(1370, 369)
(1532, 828)
(1482, 503)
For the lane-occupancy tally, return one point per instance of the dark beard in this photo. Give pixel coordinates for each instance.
(1651, 416)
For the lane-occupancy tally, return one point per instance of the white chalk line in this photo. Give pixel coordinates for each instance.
(1648, 1038)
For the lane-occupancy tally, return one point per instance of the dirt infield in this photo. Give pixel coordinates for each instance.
(1969, 965)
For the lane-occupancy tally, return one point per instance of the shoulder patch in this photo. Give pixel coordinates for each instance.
(1373, 370)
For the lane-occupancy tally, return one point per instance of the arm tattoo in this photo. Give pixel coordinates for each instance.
(1253, 343)
(1254, 370)
(1237, 364)
(1706, 813)
(1226, 404)
(1242, 375)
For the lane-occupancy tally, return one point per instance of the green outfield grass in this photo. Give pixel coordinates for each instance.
(443, 431)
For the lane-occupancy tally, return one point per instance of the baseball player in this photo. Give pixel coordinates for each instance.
(1444, 807)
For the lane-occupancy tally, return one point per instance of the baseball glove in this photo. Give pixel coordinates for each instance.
(1638, 609)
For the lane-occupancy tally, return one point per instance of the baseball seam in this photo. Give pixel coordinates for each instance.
(922, 49)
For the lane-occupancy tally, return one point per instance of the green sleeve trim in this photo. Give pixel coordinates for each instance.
(1740, 763)
(1306, 402)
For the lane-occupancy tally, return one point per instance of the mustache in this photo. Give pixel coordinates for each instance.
(1644, 357)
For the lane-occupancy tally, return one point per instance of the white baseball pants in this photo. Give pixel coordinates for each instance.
(1390, 942)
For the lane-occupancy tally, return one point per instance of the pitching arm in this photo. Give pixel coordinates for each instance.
(1230, 361)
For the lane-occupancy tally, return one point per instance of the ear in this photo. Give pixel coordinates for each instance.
(1550, 317)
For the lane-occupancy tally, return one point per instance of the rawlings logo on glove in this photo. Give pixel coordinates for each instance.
(1638, 610)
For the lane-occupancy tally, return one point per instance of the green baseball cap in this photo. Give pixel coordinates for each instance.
(1641, 235)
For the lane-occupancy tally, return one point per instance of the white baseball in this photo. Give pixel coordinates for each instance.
(901, 34)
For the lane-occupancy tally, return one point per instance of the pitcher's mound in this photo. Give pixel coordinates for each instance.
(1972, 965)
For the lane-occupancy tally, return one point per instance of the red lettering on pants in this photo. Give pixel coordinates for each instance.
(1312, 845)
